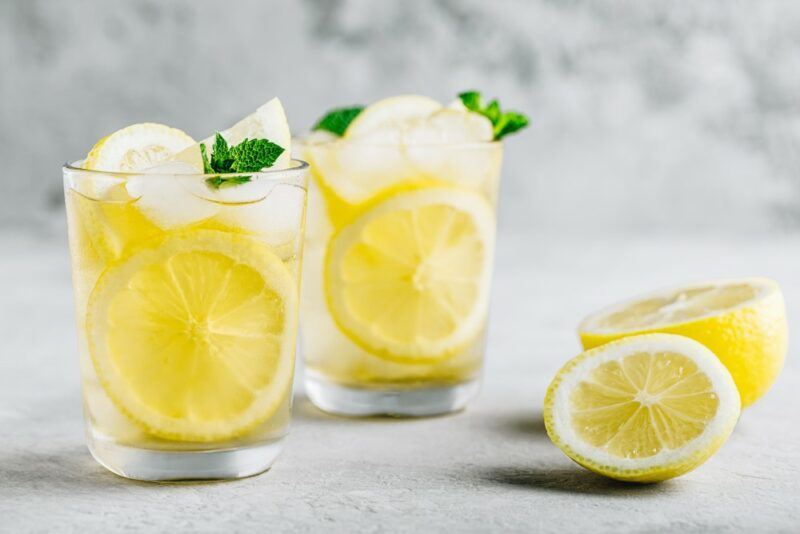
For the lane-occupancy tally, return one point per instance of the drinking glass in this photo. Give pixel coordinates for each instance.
(186, 300)
(397, 274)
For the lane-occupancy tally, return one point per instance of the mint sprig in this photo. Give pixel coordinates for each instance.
(337, 120)
(251, 155)
(503, 123)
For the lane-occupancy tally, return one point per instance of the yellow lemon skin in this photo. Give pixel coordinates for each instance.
(750, 340)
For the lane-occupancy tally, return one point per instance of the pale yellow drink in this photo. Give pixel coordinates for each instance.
(186, 303)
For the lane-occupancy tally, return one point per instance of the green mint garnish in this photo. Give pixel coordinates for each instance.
(337, 120)
(251, 155)
(504, 123)
(220, 181)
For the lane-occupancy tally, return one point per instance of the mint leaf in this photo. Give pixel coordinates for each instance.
(471, 100)
(337, 120)
(509, 123)
(503, 123)
(221, 159)
(207, 169)
(218, 182)
(251, 155)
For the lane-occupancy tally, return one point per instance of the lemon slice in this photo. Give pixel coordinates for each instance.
(643, 409)
(136, 148)
(450, 126)
(408, 279)
(267, 122)
(388, 115)
(742, 321)
(193, 337)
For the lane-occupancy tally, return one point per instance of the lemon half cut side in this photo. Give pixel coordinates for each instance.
(193, 337)
(742, 321)
(642, 409)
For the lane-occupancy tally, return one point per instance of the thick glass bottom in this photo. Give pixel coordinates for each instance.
(158, 465)
(407, 402)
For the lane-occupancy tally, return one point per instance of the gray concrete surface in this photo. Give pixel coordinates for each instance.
(684, 115)
(490, 468)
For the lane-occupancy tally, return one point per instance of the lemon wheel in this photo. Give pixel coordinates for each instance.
(408, 279)
(194, 336)
(743, 321)
(642, 409)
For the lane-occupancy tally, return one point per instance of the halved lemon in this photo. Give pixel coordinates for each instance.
(742, 321)
(136, 148)
(642, 409)
(193, 337)
(408, 279)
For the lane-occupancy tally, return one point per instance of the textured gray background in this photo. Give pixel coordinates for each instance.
(665, 146)
(677, 116)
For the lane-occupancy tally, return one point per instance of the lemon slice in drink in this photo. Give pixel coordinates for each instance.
(642, 409)
(742, 321)
(193, 337)
(136, 148)
(378, 120)
(114, 222)
(408, 279)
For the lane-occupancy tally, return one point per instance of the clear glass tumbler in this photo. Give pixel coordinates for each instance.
(399, 253)
(187, 306)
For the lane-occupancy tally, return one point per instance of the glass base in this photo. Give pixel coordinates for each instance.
(157, 465)
(417, 402)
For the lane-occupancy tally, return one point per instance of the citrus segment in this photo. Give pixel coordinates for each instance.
(193, 337)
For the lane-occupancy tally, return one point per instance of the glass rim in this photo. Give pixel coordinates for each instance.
(355, 142)
(298, 167)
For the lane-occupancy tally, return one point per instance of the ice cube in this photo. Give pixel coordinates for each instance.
(276, 218)
(166, 198)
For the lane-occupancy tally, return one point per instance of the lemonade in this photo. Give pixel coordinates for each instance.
(399, 253)
(186, 289)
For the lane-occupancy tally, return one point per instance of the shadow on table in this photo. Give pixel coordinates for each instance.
(565, 480)
(72, 470)
(62, 470)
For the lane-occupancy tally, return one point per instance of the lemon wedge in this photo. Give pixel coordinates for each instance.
(408, 279)
(267, 122)
(136, 148)
(643, 409)
(742, 321)
(193, 337)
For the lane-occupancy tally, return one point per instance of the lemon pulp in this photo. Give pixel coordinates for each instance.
(642, 404)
